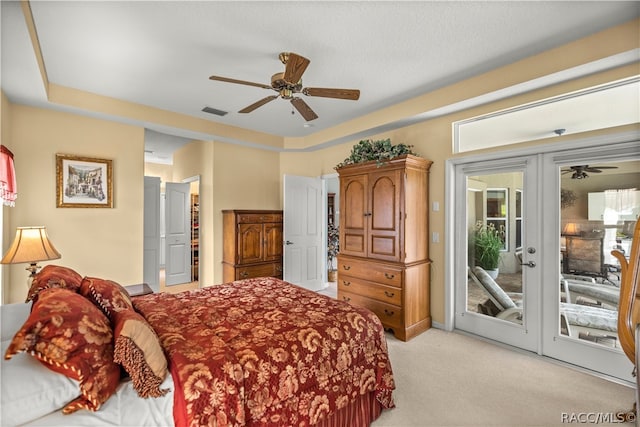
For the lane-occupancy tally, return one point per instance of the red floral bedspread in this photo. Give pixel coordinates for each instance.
(266, 352)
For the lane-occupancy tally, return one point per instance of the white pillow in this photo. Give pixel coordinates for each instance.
(12, 317)
(29, 390)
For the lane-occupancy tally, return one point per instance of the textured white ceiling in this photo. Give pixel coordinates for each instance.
(161, 53)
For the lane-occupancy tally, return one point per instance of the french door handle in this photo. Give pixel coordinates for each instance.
(529, 264)
(288, 242)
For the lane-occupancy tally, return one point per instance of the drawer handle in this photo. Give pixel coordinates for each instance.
(389, 294)
(344, 282)
(278, 268)
(346, 267)
(389, 276)
(347, 299)
(244, 273)
(389, 312)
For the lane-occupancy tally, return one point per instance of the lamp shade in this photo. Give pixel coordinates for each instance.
(31, 245)
(571, 229)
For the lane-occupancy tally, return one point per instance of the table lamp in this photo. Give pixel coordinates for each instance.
(30, 245)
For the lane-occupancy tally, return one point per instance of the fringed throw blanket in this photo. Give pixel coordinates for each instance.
(266, 352)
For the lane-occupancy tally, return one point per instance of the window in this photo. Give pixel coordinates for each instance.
(498, 211)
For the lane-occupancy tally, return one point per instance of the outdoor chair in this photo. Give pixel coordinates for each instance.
(579, 319)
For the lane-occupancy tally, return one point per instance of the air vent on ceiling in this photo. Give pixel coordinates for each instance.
(214, 111)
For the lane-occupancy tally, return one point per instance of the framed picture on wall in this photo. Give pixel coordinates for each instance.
(83, 182)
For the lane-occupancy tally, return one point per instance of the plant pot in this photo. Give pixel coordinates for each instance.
(493, 273)
(332, 275)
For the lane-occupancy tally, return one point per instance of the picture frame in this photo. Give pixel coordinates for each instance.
(83, 182)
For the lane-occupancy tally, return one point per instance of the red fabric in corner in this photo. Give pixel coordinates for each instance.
(8, 186)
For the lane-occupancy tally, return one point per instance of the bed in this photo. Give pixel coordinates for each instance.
(251, 352)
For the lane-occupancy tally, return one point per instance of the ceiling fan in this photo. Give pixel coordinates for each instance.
(580, 172)
(289, 83)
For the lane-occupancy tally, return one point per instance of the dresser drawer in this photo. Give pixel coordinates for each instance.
(383, 293)
(371, 270)
(389, 315)
(262, 270)
(252, 218)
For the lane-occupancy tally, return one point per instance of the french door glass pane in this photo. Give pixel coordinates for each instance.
(599, 207)
(494, 290)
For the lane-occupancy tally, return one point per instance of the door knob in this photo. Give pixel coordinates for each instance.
(288, 243)
(529, 264)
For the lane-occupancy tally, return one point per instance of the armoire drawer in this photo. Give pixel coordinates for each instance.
(257, 218)
(370, 270)
(262, 270)
(389, 315)
(383, 293)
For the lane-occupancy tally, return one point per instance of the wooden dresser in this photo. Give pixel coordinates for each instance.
(384, 252)
(252, 244)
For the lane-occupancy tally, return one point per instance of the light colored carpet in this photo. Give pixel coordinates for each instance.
(451, 379)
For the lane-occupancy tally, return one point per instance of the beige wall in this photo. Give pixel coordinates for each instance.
(164, 172)
(244, 178)
(95, 241)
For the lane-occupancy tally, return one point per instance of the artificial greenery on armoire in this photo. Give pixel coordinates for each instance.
(379, 150)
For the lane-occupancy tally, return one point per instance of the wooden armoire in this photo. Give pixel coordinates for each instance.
(384, 262)
(252, 244)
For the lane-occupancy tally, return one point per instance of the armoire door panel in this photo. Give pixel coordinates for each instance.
(353, 244)
(384, 247)
(384, 201)
(354, 203)
(273, 241)
(250, 243)
(353, 219)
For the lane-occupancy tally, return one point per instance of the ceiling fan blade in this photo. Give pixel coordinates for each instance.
(240, 82)
(602, 167)
(304, 110)
(296, 65)
(260, 103)
(592, 170)
(351, 94)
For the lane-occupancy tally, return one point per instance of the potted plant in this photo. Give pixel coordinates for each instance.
(487, 243)
(379, 150)
(333, 246)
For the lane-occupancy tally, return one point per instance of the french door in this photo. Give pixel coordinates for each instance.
(500, 197)
(530, 304)
(584, 237)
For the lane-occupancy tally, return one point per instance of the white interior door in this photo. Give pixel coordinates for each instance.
(303, 248)
(151, 258)
(501, 193)
(177, 233)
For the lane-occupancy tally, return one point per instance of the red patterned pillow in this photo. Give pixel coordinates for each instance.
(69, 335)
(138, 350)
(106, 294)
(54, 276)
